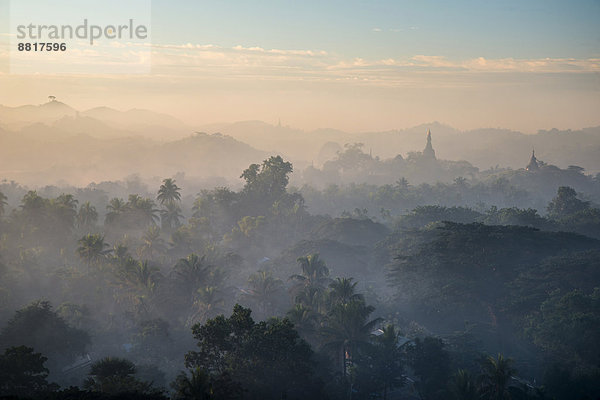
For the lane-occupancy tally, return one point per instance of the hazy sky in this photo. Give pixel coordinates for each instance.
(354, 65)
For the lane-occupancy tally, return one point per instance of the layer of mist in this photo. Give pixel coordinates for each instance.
(142, 258)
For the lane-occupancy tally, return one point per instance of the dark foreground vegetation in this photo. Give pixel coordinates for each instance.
(111, 292)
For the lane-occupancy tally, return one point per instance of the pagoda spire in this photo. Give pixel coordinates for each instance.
(428, 152)
(533, 162)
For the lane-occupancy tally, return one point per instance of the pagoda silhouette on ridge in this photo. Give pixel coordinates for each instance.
(533, 163)
(428, 152)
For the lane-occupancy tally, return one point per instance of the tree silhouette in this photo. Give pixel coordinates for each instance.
(263, 291)
(387, 360)
(196, 385)
(191, 273)
(115, 375)
(38, 326)
(116, 208)
(168, 193)
(170, 216)
(141, 211)
(3, 203)
(87, 215)
(347, 330)
(496, 377)
(92, 249)
(566, 203)
(314, 274)
(152, 243)
(430, 363)
(343, 290)
(267, 358)
(305, 320)
(463, 387)
(22, 373)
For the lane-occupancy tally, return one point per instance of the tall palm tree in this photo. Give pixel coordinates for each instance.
(402, 183)
(120, 252)
(209, 302)
(343, 290)
(168, 193)
(3, 203)
(348, 329)
(116, 207)
(68, 200)
(389, 359)
(170, 216)
(305, 321)
(31, 199)
(314, 272)
(264, 288)
(142, 209)
(143, 275)
(65, 208)
(463, 387)
(87, 215)
(199, 285)
(496, 377)
(196, 386)
(151, 243)
(191, 273)
(313, 298)
(138, 280)
(92, 249)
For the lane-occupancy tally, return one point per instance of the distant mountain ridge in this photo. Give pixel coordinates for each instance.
(484, 148)
(107, 121)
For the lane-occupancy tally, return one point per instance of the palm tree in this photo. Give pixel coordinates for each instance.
(65, 207)
(116, 208)
(496, 377)
(115, 375)
(87, 216)
(264, 287)
(462, 386)
(312, 297)
(182, 241)
(389, 359)
(314, 272)
(402, 183)
(209, 302)
(343, 290)
(142, 275)
(170, 216)
(3, 203)
(142, 209)
(138, 280)
(196, 386)
(120, 252)
(92, 249)
(33, 205)
(199, 283)
(68, 200)
(191, 272)
(305, 320)
(152, 242)
(348, 329)
(168, 193)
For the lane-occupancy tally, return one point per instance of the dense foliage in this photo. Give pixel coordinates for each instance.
(112, 290)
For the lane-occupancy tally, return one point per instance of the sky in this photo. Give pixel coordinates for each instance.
(352, 65)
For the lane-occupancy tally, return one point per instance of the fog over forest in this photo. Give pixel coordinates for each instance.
(141, 257)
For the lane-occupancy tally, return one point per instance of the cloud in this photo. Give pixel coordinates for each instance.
(376, 29)
(481, 64)
(193, 61)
